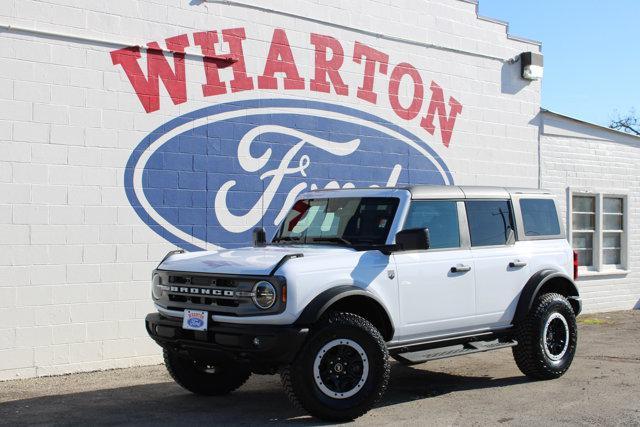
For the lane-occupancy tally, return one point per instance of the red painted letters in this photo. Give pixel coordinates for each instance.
(372, 57)
(325, 67)
(437, 106)
(280, 60)
(148, 88)
(398, 72)
(206, 41)
(329, 70)
(234, 38)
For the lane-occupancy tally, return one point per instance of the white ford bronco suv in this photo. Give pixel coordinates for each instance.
(354, 276)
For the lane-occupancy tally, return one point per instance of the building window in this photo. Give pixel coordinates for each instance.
(584, 227)
(613, 230)
(598, 232)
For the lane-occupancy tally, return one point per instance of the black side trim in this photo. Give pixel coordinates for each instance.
(177, 251)
(532, 289)
(283, 260)
(319, 305)
(461, 338)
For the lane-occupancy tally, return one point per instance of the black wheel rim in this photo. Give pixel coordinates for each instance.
(341, 368)
(556, 336)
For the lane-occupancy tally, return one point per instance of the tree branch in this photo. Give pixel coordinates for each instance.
(629, 124)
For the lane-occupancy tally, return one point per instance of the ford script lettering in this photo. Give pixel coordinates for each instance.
(205, 179)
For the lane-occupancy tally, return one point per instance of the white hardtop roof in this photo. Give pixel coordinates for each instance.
(434, 192)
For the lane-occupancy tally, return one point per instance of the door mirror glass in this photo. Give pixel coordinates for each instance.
(413, 239)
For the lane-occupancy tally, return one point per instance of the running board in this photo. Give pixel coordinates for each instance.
(452, 351)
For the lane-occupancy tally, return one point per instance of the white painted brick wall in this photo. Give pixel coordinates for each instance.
(74, 257)
(586, 157)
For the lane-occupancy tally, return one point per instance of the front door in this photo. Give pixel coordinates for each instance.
(436, 286)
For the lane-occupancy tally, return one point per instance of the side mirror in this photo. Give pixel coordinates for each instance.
(413, 239)
(259, 237)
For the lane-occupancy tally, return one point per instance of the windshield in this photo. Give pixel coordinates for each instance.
(351, 221)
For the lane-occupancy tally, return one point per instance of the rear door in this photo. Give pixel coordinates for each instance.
(501, 263)
(434, 300)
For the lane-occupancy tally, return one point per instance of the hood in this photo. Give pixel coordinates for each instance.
(243, 261)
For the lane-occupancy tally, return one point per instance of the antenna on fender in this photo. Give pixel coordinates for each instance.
(262, 207)
(259, 237)
(259, 234)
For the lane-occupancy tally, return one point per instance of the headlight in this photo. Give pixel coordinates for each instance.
(264, 295)
(156, 287)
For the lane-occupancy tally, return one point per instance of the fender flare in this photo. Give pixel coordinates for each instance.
(321, 303)
(532, 289)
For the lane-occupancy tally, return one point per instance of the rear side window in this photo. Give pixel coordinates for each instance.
(490, 222)
(539, 217)
(440, 217)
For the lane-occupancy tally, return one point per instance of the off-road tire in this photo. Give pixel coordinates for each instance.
(192, 376)
(529, 354)
(298, 378)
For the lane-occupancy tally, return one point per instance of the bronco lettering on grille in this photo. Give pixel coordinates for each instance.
(204, 291)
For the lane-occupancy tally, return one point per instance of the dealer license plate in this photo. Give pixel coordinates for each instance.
(195, 320)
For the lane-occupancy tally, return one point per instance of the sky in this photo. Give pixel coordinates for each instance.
(591, 52)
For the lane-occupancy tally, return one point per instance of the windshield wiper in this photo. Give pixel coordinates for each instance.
(332, 239)
(286, 239)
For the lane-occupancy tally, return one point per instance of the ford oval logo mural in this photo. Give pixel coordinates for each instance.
(207, 178)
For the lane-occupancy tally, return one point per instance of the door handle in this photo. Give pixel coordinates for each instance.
(460, 268)
(517, 264)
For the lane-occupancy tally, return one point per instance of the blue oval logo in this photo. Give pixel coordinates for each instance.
(194, 322)
(207, 178)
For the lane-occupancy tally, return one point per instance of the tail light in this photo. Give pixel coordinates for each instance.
(575, 265)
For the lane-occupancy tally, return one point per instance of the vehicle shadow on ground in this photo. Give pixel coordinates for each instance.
(264, 403)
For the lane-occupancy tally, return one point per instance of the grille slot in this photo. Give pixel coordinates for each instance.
(204, 281)
(222, 302)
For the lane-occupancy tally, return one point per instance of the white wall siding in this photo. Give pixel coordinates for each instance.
(76, 258)
(585, 157)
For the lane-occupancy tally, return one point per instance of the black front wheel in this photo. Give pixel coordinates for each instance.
(547, 338)
(204, 378)
(341, 372)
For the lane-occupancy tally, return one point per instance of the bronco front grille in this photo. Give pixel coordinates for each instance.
(217, 294)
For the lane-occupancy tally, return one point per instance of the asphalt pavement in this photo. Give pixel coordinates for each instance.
(601, 388)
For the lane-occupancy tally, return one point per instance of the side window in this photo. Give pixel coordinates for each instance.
(539, 217)
(440, 217)
(490, 222)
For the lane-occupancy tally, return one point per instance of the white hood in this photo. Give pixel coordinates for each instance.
(250, 261)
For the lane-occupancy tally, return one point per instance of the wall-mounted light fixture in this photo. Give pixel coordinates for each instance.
(532, 65)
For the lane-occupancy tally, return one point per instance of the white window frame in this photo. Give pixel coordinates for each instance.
(598, 268)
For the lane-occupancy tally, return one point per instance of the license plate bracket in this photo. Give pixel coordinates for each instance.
(195, 320)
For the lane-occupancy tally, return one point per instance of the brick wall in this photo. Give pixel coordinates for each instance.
(75, 258)
(588, 158)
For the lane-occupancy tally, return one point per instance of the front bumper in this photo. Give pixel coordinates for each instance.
(276, 345)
